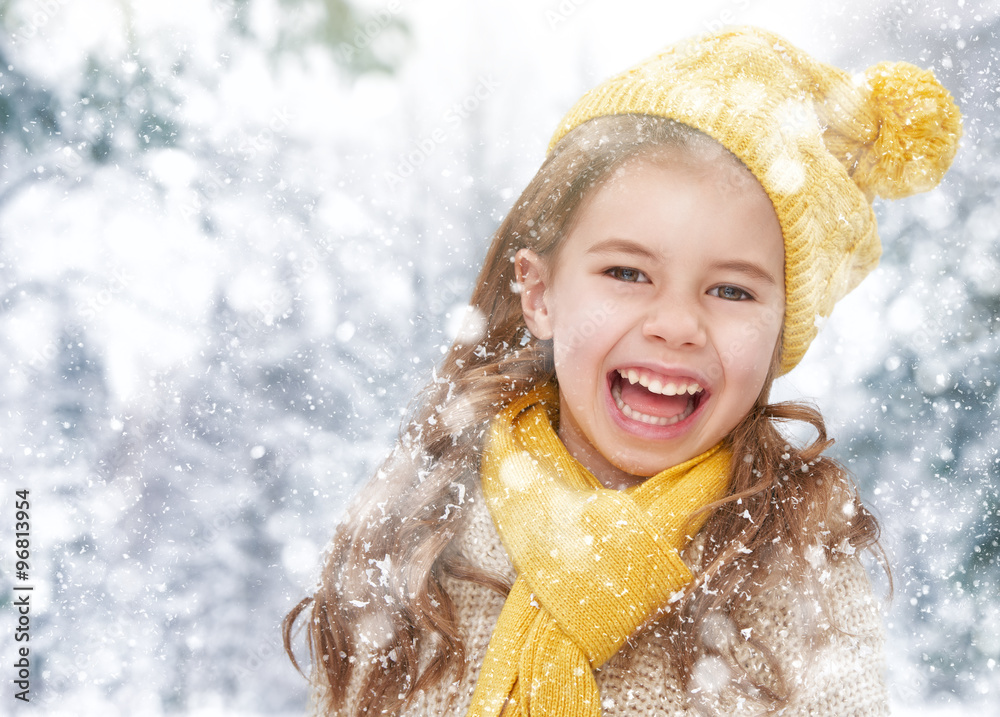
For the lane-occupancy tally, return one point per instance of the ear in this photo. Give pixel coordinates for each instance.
(532, 274)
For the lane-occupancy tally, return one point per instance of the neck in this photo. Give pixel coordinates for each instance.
(608, 474)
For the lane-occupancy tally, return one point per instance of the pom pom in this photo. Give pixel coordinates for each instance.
(919, 126)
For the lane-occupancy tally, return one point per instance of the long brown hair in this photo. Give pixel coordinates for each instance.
(381, 608)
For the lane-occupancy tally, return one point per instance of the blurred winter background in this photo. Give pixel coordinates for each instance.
(235, 236)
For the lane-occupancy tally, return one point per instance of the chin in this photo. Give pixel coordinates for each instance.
(643, 469)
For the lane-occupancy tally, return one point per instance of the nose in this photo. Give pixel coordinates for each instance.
(677, 322)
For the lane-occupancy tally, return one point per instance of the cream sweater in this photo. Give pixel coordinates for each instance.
(832, 659)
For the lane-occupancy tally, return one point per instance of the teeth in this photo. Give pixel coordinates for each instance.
(655, 385)
(616, 394)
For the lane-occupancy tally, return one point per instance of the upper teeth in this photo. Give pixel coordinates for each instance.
(655, 385)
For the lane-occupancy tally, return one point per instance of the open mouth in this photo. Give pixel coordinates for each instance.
(653, 399)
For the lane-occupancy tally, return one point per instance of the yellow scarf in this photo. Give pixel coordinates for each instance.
(593, 564)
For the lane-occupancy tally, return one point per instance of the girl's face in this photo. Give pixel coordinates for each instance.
(664, 305)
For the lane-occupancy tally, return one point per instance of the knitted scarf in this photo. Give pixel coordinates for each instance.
(593, 564)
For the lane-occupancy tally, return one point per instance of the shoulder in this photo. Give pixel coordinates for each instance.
(833, 594)
(477, 541)
(823, 632)
(476, 606)
(826, 631)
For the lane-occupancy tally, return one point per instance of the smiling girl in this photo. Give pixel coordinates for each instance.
(593, 509)
(686, 260)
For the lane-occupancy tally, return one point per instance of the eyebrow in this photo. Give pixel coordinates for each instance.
(749, 268)
(623, 246)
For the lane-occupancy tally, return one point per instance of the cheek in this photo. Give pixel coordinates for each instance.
(581, 328)
(747, 352)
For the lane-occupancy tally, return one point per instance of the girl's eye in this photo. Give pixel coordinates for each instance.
(730, 293)
(627, 274)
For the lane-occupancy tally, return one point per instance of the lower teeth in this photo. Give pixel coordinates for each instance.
(616, 394)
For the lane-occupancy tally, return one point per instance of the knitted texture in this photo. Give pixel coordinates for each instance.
(593, 563)
(834, 661)
(823, 144)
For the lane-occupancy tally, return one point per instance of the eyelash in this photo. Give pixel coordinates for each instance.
(616, 272)
(745, 295)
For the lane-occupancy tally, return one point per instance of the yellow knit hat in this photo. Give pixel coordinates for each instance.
(822, 143)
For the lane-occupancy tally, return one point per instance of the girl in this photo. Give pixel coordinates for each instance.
(593, 510)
